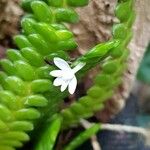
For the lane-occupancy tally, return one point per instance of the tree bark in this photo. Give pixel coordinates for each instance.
(10, 14)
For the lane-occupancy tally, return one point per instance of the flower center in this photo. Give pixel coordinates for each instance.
(68, 75)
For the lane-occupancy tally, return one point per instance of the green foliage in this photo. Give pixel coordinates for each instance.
(144, 70)
(82, 137)
(49, 136)
(27, 95)
(112, 69)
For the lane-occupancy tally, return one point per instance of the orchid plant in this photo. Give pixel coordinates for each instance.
(29, 97)
(66, 76)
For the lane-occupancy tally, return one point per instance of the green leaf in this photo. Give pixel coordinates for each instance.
(66, 15)
(77, 3)
(55, 3)
(22, 41)
(28, 25)
(31, 54)
(8, 66)
(14, 55)
(99, 51)
(21, 126)
(41, 85)
(82, 137)
(39, 44)
(27, 114)
(24, 70)
(48, 138)
(42, 11)
(36, 100)
(15, 84)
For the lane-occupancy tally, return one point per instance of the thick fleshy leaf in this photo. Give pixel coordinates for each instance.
(82, 137)
(49, 136)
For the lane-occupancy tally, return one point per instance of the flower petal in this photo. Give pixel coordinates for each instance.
(64, 85)
(72, 85)
(62, 64)
(56, 73)
(58, 82)
(78, 67)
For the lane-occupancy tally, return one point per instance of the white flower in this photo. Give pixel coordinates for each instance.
(65, 77)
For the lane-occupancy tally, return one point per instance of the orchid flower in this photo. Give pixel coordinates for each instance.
(65, 77)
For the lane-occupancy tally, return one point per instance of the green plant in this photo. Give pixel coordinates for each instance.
(82, 137)
(111, 69)
(27, 95)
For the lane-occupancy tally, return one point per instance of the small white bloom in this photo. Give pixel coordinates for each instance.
(65, 77)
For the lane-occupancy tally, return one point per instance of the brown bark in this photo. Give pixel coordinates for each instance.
(95, 23)
(10, 14)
